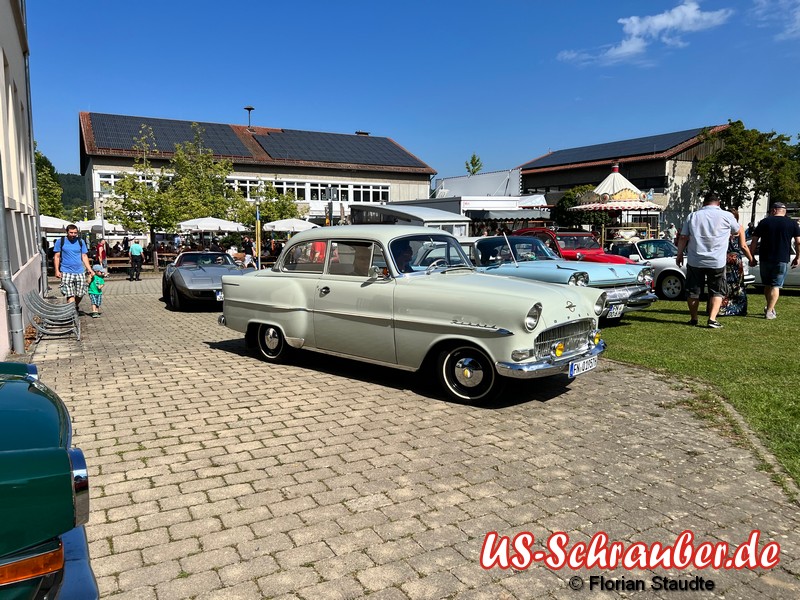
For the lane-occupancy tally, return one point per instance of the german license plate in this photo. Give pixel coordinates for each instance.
(581, 366)
(220, 296)
(615, 312)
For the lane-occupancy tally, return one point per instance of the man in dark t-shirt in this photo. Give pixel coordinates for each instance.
(772, 240)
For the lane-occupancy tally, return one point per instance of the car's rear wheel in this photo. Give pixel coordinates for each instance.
(271, 344)
(467, 373)
(671, 286)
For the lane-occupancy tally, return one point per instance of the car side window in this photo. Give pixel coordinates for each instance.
(299, 258)
(351, 258)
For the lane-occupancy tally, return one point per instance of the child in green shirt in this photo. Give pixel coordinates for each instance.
(96, 283)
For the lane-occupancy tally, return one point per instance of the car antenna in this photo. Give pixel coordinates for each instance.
(511, 250)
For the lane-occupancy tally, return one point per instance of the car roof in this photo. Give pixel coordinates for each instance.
(382, 233)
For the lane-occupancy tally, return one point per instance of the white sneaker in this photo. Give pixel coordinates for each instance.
(771, 314)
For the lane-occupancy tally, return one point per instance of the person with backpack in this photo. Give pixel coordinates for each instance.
(71, 265)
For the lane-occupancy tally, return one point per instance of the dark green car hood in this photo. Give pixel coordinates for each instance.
(31, 416)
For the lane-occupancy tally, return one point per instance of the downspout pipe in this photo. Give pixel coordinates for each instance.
(15, 323)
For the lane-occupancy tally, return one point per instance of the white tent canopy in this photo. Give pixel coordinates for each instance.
(291, 225)
(210, 224)
(615, 192)
(108, 227)
(52, 223)
(617, 187)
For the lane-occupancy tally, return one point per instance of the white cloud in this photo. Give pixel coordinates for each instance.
(784, 14)
(666, 28)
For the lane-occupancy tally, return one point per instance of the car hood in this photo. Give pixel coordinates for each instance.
(207, 274)
(477, 297)
(31, 416)
(599, 274)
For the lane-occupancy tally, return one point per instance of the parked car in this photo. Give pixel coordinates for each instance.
(670, 279)
(368, 299)
(196, 276)
(792, 275)
(573, 244)
(629, 287)
(44, 492)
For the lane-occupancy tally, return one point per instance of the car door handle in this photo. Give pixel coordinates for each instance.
(325, 291)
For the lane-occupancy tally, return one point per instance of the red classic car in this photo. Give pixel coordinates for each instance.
(573, 245)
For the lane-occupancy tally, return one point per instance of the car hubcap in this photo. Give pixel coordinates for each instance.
(272, 339)
(469, 372)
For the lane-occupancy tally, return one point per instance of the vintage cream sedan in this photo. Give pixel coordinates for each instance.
(353, 291)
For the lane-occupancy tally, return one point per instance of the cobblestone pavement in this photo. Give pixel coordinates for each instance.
(216, 476)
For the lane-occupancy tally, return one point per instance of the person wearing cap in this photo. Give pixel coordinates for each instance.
(705, 236)
(772, 241)
(96, 282)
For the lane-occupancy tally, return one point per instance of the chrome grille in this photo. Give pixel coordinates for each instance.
(575, 336)
(620, 293)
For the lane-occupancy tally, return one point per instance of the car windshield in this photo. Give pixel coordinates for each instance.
(646, 249)
(578, 242)
(417, 253)
(495, 250)
(205, 259)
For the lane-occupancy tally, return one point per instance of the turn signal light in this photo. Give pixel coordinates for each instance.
(35, 566)
(557, 349)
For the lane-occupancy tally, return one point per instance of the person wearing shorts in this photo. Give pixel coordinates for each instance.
(71, 265)
(704, 237)
(772, 240)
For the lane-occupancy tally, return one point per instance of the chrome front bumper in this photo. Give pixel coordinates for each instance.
(544, 368)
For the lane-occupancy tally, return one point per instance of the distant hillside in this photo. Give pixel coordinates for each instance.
(74, 193)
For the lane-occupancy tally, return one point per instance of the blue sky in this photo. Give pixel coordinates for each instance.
(508, 80)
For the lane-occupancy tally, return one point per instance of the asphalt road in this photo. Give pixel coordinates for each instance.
(215, 475)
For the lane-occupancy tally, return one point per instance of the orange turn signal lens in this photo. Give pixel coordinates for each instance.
(35, 566)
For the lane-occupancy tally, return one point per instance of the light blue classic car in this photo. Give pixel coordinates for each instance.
(629, 287)
(359, 291)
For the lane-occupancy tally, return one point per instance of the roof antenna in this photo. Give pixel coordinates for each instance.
(249, 109)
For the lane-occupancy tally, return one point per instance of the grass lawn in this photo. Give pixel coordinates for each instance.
(751, 362)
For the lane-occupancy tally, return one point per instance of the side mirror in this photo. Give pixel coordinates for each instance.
(378, 273)
(635, 258)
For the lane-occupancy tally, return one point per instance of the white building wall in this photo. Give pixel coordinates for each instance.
(16, 162)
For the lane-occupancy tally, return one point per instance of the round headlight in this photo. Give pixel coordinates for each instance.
(583, 279)
(649, 275)
(640, 276)
(600, 304)
(532, 318)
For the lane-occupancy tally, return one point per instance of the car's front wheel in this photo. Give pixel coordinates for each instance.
(467, 373)
(271, 344)
(671, 286)
(176, 301)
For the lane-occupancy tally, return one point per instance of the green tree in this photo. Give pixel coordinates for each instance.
(474, 164)
(748, 164)
(48, 188)
(139, 201)
(198, 182)
(574, 218)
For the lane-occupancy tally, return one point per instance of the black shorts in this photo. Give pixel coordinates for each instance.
(696, 278)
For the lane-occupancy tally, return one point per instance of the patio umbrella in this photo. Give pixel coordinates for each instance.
(210, 224)
(291, 225)
(52, 223)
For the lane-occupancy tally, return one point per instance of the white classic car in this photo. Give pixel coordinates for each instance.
(660, 254)
(354, 291)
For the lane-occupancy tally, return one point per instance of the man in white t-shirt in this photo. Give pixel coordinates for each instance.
(705, 236)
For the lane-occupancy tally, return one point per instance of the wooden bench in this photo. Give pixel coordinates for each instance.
(118, 262)
(50, 318)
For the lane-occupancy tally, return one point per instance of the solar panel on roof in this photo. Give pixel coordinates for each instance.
(653, 144)
(313, 146)
(121, 132)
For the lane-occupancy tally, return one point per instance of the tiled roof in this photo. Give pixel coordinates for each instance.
(653, 146)
(115, 135)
